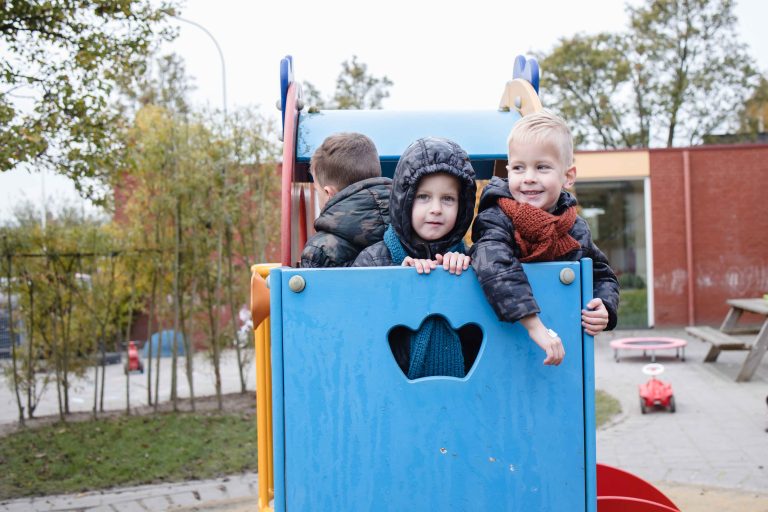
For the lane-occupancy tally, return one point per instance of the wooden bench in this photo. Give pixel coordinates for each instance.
(719, 340)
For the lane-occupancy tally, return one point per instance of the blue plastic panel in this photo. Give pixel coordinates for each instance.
(359, 436)
(589, 391)
(482, 134)
(278, 427)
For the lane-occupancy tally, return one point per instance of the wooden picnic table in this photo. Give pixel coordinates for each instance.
(725, 339)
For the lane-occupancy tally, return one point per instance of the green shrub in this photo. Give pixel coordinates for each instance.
(633, 309)
(631, 281)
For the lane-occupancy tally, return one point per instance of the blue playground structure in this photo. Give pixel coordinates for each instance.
(163, 341)
(342, 428)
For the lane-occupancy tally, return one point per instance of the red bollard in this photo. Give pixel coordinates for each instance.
(134, 363)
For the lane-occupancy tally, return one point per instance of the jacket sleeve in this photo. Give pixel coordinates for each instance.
(376, 255)
(314, 256)
(325, 250)
(604, 282)
(365, 259)
(497, 267)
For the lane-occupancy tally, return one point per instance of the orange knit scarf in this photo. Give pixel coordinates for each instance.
(540, 235)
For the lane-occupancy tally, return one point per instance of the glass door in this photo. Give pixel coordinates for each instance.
(615, 212)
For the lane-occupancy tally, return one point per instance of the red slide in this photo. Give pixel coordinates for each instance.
(619, 491)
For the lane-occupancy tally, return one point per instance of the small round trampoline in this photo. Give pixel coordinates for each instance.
(649, 344)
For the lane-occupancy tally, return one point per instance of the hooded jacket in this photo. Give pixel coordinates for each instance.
(352, 220)
(426, 156)
(495, 258)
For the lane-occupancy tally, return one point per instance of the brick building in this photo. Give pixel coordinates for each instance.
(684, 227)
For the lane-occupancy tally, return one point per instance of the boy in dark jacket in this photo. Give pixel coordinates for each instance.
(354, 199)
(432, 204)
(529, 217)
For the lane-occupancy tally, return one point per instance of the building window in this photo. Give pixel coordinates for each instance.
(615, 212)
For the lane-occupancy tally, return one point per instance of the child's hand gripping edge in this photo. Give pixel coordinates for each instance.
(422, 266)
(594, 318)
(454, 262)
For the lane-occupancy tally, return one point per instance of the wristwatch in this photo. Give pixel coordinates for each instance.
(552, 334)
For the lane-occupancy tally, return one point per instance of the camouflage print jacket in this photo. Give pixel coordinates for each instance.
(352, 220)
(495, 258)
(425, 156)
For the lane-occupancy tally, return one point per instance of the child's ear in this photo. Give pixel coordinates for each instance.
(330, 190)
(570, 177)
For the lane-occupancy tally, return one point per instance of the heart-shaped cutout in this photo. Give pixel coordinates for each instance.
(400, 337)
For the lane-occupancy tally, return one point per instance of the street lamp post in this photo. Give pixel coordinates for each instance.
(221, 56)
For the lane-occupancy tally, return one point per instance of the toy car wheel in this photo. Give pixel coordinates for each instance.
(671, 407)
(643, 407)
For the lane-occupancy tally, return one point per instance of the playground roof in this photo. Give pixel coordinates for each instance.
(482, 133)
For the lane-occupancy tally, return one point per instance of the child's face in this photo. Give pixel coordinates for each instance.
(537, 173)
(435, 206)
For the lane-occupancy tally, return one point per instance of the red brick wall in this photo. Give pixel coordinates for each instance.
(729, 214)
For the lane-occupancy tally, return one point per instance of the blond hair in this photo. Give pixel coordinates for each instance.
(343, 159)
(541, 127)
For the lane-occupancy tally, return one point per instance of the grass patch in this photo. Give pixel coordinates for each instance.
(633, 309)
(606, 407)
(81, 456)
(133, 450)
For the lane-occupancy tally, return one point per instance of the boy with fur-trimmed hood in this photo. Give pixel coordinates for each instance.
(431, 207)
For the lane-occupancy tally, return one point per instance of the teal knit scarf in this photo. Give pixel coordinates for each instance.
(435, 347)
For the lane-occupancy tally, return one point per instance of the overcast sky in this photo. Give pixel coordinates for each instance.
(440, 54)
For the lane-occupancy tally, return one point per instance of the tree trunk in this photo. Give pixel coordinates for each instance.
(149, 336)
(157, 361)
(65, 338)
(30, 360)
(13, 340)
(103, 364)
(104, 323)
(176, 313)
(188, 350)
(232, 306)
(57, 370)
(214, 325)
(96, 385)
(127, 339)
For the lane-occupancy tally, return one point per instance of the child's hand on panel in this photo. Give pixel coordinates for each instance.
(454, 262)
(594, 319)
(422, 266)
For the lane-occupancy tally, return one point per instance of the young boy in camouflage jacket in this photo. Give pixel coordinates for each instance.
(528, 217)
(354, 199)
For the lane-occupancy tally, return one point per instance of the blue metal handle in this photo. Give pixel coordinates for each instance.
(286, 78)
(527, 70)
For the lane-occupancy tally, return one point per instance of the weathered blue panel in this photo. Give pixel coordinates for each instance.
(589, 392)
(358, 435)
(278, 416)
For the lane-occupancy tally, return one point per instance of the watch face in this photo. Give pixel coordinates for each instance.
(552, 333)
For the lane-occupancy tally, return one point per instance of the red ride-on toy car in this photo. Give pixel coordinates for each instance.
(656, 393)
(134, 364)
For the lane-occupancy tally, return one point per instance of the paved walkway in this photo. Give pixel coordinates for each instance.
(717, 437)
(81, 392)
(230, 493)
